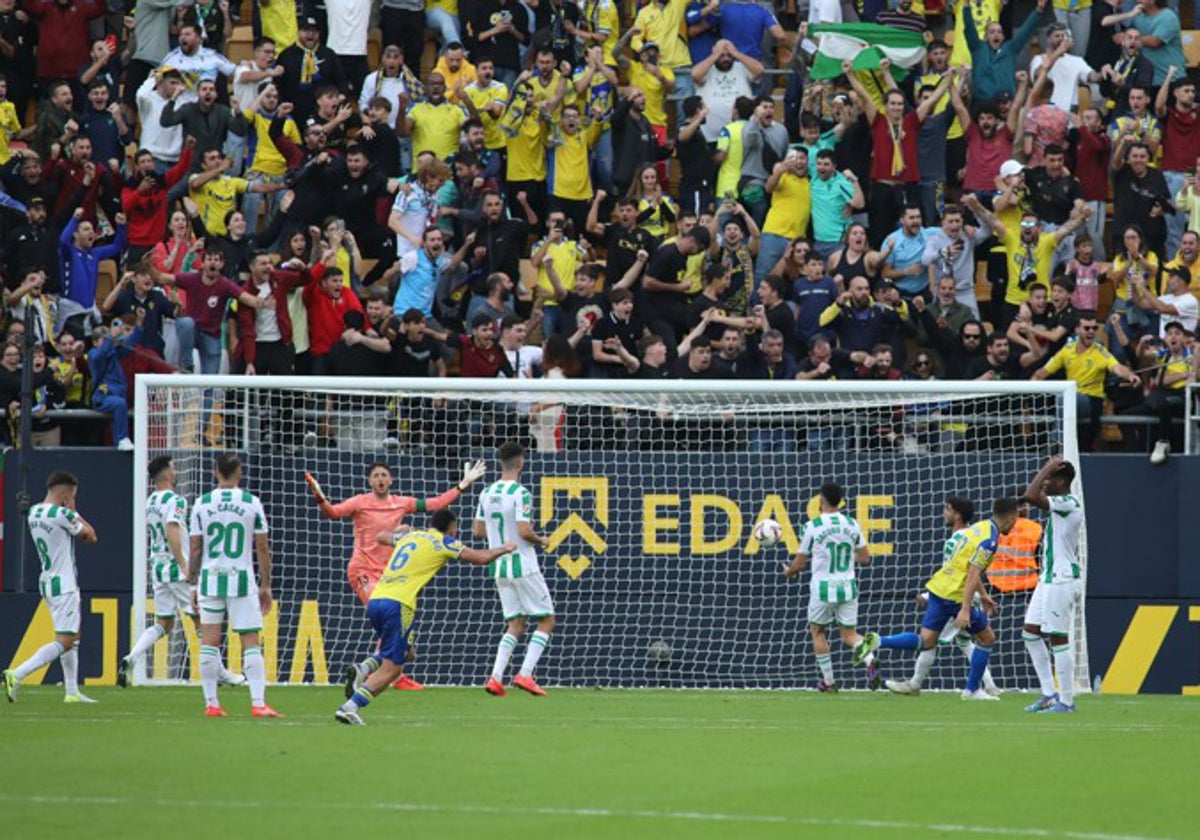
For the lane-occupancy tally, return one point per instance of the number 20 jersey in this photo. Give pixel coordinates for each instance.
(226, 521)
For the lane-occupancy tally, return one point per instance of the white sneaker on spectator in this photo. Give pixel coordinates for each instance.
(125, 445)
(1159, 455)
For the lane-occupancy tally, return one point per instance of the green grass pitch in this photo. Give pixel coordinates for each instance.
(456, 763)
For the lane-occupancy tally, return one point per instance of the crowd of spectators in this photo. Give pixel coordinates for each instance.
(596, 188)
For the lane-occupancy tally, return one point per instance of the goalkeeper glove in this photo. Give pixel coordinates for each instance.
(471, 473)
(315, 488)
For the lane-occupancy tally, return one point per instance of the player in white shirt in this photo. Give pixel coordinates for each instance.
(166, 523)
(1051, 610)
(957, 513)
(54, 525)
(228, 530)
(504, 515)
(835, 543)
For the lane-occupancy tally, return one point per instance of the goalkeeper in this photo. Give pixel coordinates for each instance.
(377, 511)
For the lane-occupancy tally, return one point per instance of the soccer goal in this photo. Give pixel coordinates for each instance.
(648, 493)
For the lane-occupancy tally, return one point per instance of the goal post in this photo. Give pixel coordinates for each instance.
(647, 491)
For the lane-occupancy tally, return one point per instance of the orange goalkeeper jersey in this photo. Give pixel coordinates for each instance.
(373, 515)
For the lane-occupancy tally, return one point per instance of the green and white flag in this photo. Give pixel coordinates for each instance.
(865, 45)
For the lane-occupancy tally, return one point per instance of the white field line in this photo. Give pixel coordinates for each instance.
(664, 816)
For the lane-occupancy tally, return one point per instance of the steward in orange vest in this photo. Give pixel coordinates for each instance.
(1015, 565)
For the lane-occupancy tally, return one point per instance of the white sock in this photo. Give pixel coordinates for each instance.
(1041, 661)
(70, 666)
(1064, 665)
(825, 663)
(988, 682)
(256, 675)
(533, 652)
(210, 669)
(46, 654)
(508, 643)
(146, 641)
(923, 666)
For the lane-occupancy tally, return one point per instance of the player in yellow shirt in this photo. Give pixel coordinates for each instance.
(416, 558)
(952, 589)
(1087, 363)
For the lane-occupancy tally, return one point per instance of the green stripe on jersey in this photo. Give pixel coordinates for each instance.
(512, 487)
(1048, 538)
(516, 564)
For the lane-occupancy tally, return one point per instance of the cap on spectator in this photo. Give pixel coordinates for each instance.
(1002, 97)
(37, 201)
(1175, 325)
(1182, 272)
(1010, 168)
(886, 283)
(648, 45)
(309, 23)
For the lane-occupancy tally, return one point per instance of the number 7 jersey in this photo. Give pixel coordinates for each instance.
(226, 522)
(502, 506)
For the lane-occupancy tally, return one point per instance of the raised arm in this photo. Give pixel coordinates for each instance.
(926, 107)
(1034, 494)
(868, 104)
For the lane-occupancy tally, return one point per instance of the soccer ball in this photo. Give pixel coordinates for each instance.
(768, 532)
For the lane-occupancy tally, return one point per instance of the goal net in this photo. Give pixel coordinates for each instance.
(648, 493)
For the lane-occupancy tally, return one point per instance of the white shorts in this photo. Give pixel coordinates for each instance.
(525, 597)
(172, 597)
(950, 632)
(825, 614)
(245, 615)
(64, 612)
(1052, 607)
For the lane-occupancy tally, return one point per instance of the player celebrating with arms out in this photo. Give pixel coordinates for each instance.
(503, 515)
(392, 608)
(952, 589)
(374, 513)
(54, 525)
(1051, 610)
(222, 568)
(166, 519)
(835, 542)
